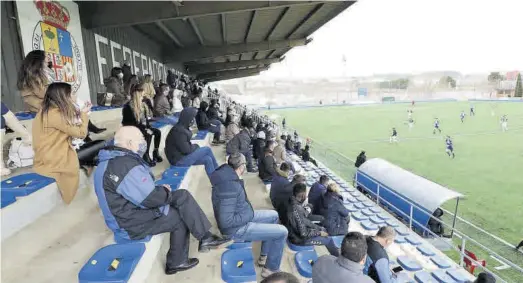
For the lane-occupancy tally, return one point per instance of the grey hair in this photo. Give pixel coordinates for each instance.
(236, 160)
(386, 232)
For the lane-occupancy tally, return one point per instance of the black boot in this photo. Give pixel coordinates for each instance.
(94, 129)
(156, 156)
(190, 263)
(211, 242)
(148, 160)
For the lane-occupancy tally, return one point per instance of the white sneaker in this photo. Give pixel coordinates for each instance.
(5, 171)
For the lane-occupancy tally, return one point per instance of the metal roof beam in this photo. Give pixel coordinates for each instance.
(314, 11)
(214, 67)
(280, 17)
(102, 13)
(196, 30)
(224, 28)
(170, 34)
(204, 52)
(249, 27)
(232, 74)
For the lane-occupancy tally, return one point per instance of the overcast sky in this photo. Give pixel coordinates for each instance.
(396, 36)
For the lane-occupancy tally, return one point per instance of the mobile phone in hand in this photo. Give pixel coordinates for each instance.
(397, 269)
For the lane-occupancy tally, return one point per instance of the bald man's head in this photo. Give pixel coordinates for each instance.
(129, 137)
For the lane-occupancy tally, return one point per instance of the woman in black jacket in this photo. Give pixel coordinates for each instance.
(134, 114)
(336, 215)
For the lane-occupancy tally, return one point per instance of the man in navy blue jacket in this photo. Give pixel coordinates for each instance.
(134, 207)
(316, 192)
(236, 218)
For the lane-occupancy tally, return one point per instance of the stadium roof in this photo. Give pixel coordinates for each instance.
(218, 40)
(424, 193)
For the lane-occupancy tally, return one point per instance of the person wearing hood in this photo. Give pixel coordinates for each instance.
(204, 123)
(301, 229)
(134, 207)
(336, 216)
(289, 143)
(237, 220)
(435, 225)
(241, 143)
(306, 156)
(258, 146)
(267, 167)
(316, 192)
(280, 195)
(360, 159)
(115, 86)
(179, 149)
(232, 129)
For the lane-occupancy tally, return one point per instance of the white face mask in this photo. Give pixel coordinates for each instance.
(120, 75)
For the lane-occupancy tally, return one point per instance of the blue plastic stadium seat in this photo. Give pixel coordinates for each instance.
(120, 240)
(369, 226)
(442, 277)
(409, 264)
(400, 240)
(267, 182)
(304, 261)
(310, 183)
(426, 251)
(376, 220)
(7, 198)
(25, 184)
(359, 216)
(367, 212)
(200, 135)
(368, 204)
(158, 124)
(440, 262)
(359, 205)
(355, 193)
(238, 266)
(337, 240)
(174, 182)
(376, 210)
(423, 277)
(298, 248)
(392, 223)
(402, 231)
(413, 240)
(351, 208)
(240, 245)
(175, 171)
(344, 186)
(458, 275)
(113, 263)
(361, 197)
(403, 277)
(25, 116)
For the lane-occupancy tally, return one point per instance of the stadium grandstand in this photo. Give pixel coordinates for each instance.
(114, 125)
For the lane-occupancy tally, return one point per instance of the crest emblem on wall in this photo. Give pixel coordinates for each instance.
(51, 35)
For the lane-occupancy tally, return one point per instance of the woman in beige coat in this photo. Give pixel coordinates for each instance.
(53, 129)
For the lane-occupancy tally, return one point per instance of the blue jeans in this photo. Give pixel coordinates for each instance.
(328, 242)
(201, 156)
(264, 227)
(215, 127)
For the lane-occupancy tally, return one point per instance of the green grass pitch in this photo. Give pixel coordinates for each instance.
(488, 167)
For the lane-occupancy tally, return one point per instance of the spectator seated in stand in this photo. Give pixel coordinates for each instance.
(135, 113)
(377, 265)
(289, 144)
(280, 154)
(267, 168)
(162, 107)
(238, 221)
(233, 128)
(179, 149)
(281, 180)
(280, 196)
(306, 156)
(435, 225)
(214, 111)
(301, 229)
(9, 119)
(281, 277)
(360, 159)
(203, 122)
(485, 277)
(242, 143)
(348, 267)
(335, 213)
(134, 207)
(316, 192)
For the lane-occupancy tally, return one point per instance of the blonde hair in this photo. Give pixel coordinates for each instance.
(137, 95)
(148, 79)
(333, 187)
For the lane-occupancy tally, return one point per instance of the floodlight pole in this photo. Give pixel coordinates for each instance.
(455, 216)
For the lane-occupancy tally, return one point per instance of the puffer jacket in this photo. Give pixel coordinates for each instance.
(267, 168)
(280, 155)
(257, 148)
(115, 86)
(202, 120)
(130, 201)
(299, 226)
(231, 130)
(178, 142)
(336, 215)
(213, 113)
(278, 185)
(239, 143)
(232, 208)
